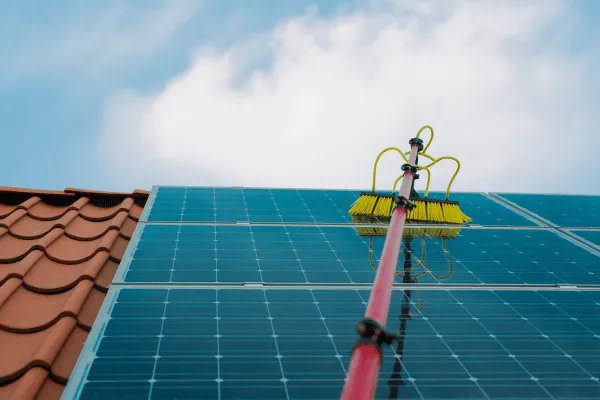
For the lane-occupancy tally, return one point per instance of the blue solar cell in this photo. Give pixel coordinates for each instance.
(292, 254)
(562, 210)
(254, 343)
(295, 206)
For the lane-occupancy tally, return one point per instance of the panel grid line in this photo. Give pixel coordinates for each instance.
(535, 379)
(566, 354)
(471, 377)
(279, 356)
(160, 337)
(329, 335)
(491, 259)
(327, 241)
(218, 337)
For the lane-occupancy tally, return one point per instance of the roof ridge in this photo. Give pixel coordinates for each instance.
(72, 192)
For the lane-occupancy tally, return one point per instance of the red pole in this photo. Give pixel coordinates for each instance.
(364, 365)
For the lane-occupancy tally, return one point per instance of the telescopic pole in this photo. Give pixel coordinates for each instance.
(366, 355)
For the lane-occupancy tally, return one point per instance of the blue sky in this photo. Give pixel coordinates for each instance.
(279, 91)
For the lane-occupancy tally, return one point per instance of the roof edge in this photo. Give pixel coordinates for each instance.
(34, 192)
(88, 192)
(15, 196)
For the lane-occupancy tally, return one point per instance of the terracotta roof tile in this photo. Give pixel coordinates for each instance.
(37, 311)
(93, 213)
(67, 358)
(64, 276)
(50, 390)
(106, 274)
(59, 251)
(72, 251)
(27, 387)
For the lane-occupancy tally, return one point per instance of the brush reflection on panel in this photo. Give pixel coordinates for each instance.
(408, 277)
(396, 380)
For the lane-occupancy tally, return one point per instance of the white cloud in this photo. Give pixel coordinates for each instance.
(332, 92)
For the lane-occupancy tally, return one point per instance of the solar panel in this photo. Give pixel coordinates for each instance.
(338, 255)
(562, 210)
(178, 323)
(294, 344)
(295, 206)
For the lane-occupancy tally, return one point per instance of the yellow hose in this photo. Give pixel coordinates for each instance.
(425, 167)
(430, 136)
(453, 176)
(377, 161)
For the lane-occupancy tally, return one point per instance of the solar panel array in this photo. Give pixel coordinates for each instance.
(255, 293)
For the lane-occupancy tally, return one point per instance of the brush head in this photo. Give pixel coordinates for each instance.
(375, 208)
(413, 196)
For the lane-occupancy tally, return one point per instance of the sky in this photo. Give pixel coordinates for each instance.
(123, 95)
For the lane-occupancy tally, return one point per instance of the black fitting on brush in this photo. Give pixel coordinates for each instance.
(403, 202)
(416, 142)
(410, 168)
(372, 332)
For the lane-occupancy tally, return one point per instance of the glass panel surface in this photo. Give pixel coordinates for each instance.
(295, 206)
(562, 210)
(278, 344)
(319, 255)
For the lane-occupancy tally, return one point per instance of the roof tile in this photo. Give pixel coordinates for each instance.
(128, 227)
(118, 248)
(34, 349)
(95, 213)
(29, 228)
(66, 359)
(25, 311)
(136, 212)
(59, 252)
(63, 276)
(50, 390)
(106, 274)
(90, 308)
(19, 268)
(83, 229)
(13, 249)
(26, 387)
(71, 251)
(44, 211)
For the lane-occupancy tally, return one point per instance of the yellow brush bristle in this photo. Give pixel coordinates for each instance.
(364, 205)
(433, 232)
(419, 213)
(371, 231)
(384, 207)
(377, 207)
(454, 215)
(435, 213)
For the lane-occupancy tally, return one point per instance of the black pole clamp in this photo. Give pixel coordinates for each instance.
(403, 202)
(409, 168)
(416, 142)
(372, 332)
